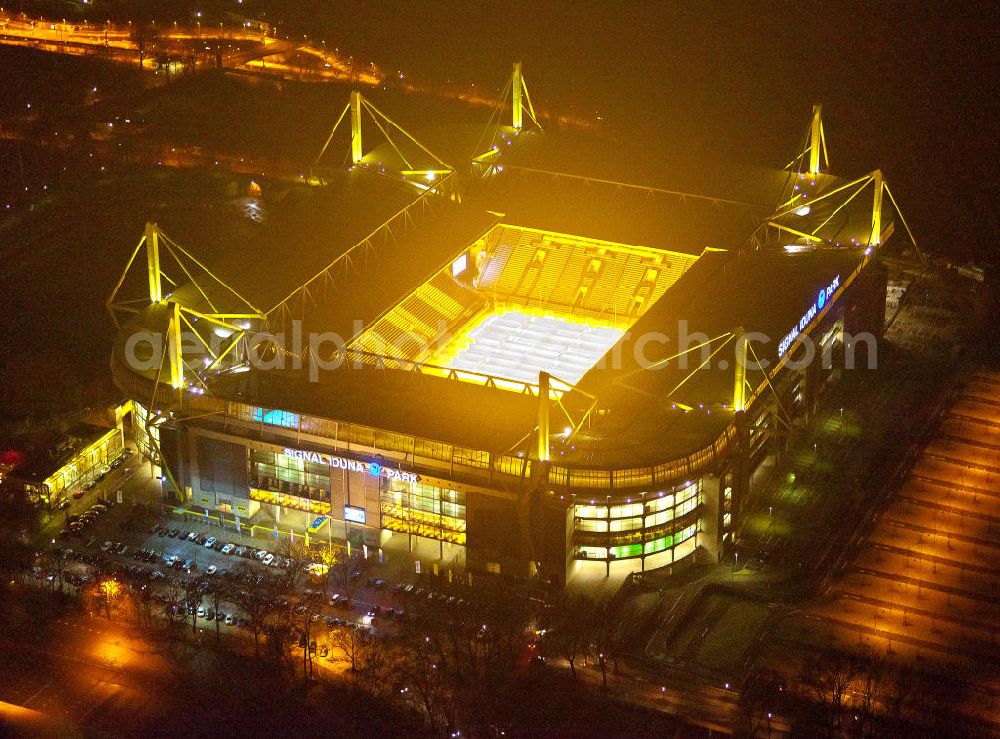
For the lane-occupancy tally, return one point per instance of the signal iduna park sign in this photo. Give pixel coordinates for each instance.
(824, 296)
(373, 468)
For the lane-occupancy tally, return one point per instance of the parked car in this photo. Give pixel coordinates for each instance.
(211, 570)
(209, 542)
(268, 558)
(228, 548)
(229, 619)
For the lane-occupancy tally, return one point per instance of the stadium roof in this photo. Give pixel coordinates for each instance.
(611, 212)
(266, 247)
(721, 291)
(400, 401)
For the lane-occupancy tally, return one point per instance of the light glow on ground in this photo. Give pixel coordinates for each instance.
(516, 346)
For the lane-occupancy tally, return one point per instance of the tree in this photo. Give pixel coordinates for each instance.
(346, 571)
(217, 590)
(257, 596)
(377, 665)
(473, 650)
(569, 635)
(871, 681)
(829, 678)
(173, 602)
(304, 624)
(425, 684)
(192, 601)
(350, 639)
(758, 697)
(606, 637)
(298, 557)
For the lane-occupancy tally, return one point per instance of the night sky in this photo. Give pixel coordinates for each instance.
(906, 86)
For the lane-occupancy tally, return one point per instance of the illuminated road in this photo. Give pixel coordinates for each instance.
(242, 50)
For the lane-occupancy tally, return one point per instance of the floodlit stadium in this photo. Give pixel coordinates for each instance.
(523, 301)
(502, 364)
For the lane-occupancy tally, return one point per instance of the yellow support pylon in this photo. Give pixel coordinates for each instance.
(153, 262)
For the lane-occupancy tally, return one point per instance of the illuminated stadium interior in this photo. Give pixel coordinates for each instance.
(517, 346)
(520, 301)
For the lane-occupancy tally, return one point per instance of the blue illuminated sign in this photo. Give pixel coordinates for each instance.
(824, 296)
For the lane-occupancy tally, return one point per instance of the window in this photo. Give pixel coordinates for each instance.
(459, 265)
(660, 518)
(658, 545)
(631, 509)
(660, 503)
(623, 552)
(276, 418)
(590, 511)
(626, 524)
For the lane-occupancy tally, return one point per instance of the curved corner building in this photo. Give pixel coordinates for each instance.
(519, 370)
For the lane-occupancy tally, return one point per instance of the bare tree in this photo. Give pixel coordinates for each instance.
(569, 635)
(424, 682)
(346, 572)
(192, 601)
(298, 558)
(257, 597)
(350, 639)
(377, 664)
(830, 678)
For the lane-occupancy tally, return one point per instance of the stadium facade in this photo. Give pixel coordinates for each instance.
(502, 366)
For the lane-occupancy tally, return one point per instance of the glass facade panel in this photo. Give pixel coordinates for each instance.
(634, 529)
(278, 473)
(423, 510)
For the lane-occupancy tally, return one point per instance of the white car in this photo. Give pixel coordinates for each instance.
(228, 549)
(209, 542)
(105, 546)
(261, 554)
(169, 560)
(229, 619)
(192, 536)
(211, 570)
(201, 611)
(268, 559)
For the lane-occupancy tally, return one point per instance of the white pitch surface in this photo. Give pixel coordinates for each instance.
(517, 346)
